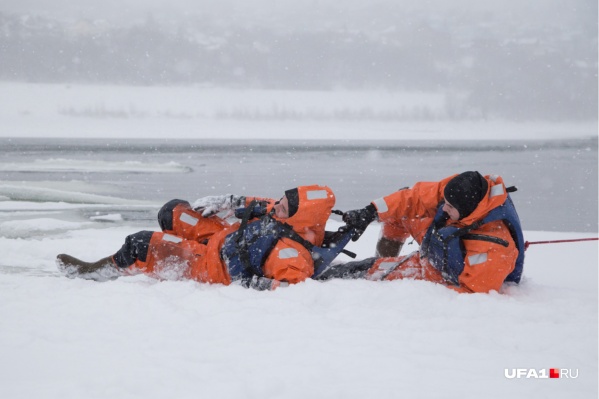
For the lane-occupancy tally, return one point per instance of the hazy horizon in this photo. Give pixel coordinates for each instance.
(511, 59)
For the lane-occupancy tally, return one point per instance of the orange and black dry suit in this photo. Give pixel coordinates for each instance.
(260, 252)
(475, 254)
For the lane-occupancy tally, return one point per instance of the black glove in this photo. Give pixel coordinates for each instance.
(359, 219)
(257, 211)
(262, 283)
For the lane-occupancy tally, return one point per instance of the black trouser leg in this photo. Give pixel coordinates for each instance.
(135, 247)
(349, 270)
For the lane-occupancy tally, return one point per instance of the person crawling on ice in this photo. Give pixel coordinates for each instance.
(268, 248)
(469, 233)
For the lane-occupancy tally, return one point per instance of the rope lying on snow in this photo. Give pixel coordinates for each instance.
(527, 243)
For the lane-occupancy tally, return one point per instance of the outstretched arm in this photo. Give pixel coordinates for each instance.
(214, 204)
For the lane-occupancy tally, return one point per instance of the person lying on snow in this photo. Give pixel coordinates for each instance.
(469, 234)
(268, 248)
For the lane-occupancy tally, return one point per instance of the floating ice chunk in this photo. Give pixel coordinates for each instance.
(112, 217)
(44, 194)
(60, 165)
(32, 227)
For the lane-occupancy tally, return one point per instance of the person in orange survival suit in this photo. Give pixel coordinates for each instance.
(469, 234)
(269, 247)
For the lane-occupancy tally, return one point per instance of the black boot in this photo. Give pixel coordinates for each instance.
(103, 270)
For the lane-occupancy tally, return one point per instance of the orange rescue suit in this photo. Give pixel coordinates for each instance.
(192, 249)
(410, 212)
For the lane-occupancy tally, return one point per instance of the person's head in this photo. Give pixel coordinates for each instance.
(463, 193)
(287, 206)
(306, 209)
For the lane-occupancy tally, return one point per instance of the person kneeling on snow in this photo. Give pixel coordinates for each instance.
(269, 247)
(469, 234)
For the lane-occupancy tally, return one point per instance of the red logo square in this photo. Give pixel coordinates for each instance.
(553, 373)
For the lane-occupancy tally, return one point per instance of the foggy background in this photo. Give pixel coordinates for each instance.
(514, 60)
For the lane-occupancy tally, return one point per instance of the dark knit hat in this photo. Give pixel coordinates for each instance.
(293, 200)
(465, 191)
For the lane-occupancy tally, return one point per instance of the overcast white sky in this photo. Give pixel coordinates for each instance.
(326, 11)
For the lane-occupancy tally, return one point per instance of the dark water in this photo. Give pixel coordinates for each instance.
(557, 180)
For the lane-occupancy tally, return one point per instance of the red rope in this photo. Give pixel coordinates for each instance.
(527, 243)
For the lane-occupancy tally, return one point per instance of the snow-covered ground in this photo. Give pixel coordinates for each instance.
(141, 338)
(136, 337)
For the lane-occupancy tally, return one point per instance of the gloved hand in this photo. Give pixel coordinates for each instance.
(359, 219)
(257, 211)
(214, 204)
(263, 283)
